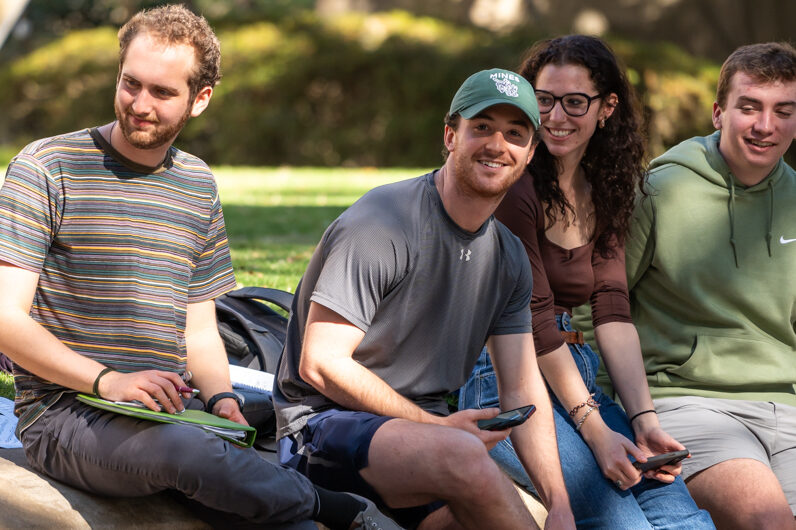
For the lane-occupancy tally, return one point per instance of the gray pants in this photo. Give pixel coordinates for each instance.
(119, 456)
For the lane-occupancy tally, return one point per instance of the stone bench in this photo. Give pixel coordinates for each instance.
(534, 505)
(31, 500)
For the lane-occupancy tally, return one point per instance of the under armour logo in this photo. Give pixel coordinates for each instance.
(465, 255)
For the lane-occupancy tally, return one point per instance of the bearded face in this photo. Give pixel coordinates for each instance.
(153, 99)
(148, 132)
(490, 151)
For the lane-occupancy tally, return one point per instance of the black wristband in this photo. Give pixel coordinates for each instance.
(96, 381)
(222, 395)
(640, 413)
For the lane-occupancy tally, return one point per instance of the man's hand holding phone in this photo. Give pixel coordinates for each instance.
(467, 420)
(508, 419)
(485, 424)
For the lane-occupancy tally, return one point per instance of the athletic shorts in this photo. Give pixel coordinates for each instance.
(331, 450)
(715, 430)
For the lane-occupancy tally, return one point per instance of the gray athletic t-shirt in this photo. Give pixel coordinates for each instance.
(426, 293)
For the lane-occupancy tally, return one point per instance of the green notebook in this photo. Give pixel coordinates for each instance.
(242, 435)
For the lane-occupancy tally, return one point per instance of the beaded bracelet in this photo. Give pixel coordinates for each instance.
(590, 402)
(640, 413)
(586, 415)
(97, 380)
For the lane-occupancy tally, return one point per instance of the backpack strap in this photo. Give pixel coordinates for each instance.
(250, 328)
(277, 297)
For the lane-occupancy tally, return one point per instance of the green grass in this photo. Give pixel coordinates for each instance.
(275, 217)
(6, 385)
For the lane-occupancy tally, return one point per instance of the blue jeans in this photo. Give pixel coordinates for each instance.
(595, 501)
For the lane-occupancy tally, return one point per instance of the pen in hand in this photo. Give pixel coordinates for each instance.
(187, 390)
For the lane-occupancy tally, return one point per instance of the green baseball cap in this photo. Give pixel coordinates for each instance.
(493, 87)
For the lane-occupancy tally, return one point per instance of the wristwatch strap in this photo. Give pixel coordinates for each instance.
(223, 395)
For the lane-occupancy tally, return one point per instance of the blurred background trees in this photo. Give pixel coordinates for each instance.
(367, 82)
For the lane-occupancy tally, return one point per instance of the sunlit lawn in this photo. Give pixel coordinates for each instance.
(276, 216)
(6, 385)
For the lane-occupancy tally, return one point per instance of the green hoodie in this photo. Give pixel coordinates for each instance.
(711, 268)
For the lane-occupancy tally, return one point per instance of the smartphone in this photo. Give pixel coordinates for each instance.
(666, 459)
(507, 419)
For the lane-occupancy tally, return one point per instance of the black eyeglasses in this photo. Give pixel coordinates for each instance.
(575, 103)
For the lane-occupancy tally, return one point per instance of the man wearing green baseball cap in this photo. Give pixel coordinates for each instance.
(400, 296)
(494, 87)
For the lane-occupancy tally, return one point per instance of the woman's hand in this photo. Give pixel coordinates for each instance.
(610, 449)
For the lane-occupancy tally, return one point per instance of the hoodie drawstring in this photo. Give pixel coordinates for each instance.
(731, 206)
(769, 227)
(770, 215)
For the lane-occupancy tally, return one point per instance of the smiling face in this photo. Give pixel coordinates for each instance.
(152, 94)
(565, 136)
(490, 151)
(757, 125)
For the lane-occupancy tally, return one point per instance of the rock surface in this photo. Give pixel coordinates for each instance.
(31, 500)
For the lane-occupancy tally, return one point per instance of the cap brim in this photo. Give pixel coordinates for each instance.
(471, 111)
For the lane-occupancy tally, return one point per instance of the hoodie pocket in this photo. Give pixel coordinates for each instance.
(732, 361)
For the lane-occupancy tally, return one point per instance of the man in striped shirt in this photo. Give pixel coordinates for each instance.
(112, 249)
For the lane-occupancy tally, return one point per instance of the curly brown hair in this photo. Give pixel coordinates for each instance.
(614, 159)
(176, 24)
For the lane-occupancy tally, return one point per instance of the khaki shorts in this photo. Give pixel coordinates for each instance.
(715, 430)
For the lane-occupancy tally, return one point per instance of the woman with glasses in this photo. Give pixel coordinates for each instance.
(571, 210)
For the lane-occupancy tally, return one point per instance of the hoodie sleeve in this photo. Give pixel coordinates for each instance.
(640, 243)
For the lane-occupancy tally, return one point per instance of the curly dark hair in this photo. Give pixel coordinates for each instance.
(176, 24)
(614, 159)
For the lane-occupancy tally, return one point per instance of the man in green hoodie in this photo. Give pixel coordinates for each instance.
(711, 262)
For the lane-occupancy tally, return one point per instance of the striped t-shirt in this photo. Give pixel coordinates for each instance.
(120, 250)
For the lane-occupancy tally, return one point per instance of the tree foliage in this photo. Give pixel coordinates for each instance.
(357, 89)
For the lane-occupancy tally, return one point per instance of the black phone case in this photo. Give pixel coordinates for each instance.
(657, 461)
(497, 423)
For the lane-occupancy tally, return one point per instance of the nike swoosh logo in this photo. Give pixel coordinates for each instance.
(783, 241)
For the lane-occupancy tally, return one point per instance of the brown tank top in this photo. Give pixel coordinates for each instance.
(562, 278)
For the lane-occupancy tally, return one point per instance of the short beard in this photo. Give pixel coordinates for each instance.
(158, 137)
(461, 170)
